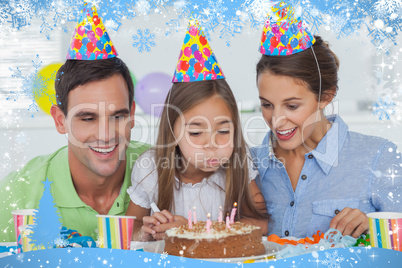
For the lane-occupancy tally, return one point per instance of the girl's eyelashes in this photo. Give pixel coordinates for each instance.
(266, 105)
(194, 133)
(226, 131)
(293, 107)
(289, 106)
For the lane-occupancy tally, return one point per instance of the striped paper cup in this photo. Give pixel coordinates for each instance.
(386, 230)
(22, 217)
(115, 231)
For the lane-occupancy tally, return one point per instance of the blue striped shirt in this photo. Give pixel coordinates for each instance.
(346, 169)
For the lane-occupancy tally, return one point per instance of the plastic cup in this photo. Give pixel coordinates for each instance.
(22, 217)
(115, 231)
(385, 230)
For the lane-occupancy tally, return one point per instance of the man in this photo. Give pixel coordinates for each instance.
(90, 176)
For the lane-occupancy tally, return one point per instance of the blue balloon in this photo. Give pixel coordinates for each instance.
(283, 52)
(192, 78)
(216, 69)
(294, 28)
(284, 39)
(294, 42)
(194, 48)
(108, 48)
(186, 38)
(269, 35)
(190, 70)
(275, 52)
(88, 27)
(212, 58)
(200, 77)
(72, 54)
(85, 41)
(100, 45)
(192, 61)
(106, 37)
(83, 50)
(100, 56)
(208, 77)
(84, 56)
(151, 92)
(208, 65)
(92, 57)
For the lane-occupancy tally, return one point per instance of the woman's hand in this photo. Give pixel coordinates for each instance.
(158, 223)
(351, 222)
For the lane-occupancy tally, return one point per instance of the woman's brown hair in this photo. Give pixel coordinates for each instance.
(303, 67)
(184, 96)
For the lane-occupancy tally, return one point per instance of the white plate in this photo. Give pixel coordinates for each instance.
(270, 249)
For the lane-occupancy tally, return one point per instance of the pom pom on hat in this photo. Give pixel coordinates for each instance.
(284, 33)
(196, 62)
(90, 40)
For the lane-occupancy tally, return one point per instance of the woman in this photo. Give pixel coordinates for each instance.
(315, 173)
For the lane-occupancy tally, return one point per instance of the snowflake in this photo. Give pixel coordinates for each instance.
(333, 260)
(143, 40)
(143, 7)
(388, 5)
(384, 108)
(33, 85)
(164, 255)
(61, 243)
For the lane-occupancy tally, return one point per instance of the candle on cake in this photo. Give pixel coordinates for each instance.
(190, 223)
(233, 213)
(195, 217)
(220, 214)
(227, 221)
(208, 223)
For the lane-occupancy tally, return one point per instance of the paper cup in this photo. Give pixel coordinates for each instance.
(22, 217)
(115, 231)
(385, 230)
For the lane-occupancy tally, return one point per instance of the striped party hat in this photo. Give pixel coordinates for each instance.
(90, 40)
(196, 62)
(284, 33)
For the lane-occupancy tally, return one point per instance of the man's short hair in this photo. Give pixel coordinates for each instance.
(74, 73)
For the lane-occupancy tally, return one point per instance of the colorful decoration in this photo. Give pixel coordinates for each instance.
(151, 92)
(227, 221)
(196, 62)
(90, 40)
(283, 33)
(47, 98)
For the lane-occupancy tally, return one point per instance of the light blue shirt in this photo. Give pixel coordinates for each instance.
(347, 169)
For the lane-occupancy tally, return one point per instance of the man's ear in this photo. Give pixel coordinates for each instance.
(59, 119)
(132, 113)
(327, 97)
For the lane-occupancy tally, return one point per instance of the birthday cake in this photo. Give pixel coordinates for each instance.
(240, 240)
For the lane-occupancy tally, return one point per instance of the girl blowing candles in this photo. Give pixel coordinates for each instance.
(200, 158)
(315, 173)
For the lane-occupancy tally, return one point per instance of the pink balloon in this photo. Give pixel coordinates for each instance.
(99, 31)
(88, 54)
(96, 53)
(206, 52)
(186, 78)
(179, 66)
(193, 30)
(104, 55)
(187, 51)
(81, 30)
(78, 56)
(213, 77)
(202, 61)
(262, 49)
(198, 55)
(181, 54)
(91, 35)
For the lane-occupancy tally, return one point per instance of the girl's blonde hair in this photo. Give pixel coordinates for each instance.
(184, 96)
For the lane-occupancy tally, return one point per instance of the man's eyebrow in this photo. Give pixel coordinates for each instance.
(121, 111)
(84, 114)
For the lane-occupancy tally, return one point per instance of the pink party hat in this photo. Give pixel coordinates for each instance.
(90, 40)
(196, 62)
(283, 33)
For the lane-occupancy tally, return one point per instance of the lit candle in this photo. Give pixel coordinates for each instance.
(195, 217)
(233, 213)
(220, 214)
(208, 223)
(190, 223)
(227, 221)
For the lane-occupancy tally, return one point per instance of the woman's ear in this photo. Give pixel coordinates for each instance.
(327, 97)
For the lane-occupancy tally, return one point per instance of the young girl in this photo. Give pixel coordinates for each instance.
(200, 161)
(317, 174)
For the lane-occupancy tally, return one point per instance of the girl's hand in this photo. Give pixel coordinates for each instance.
(351, 222)
(157, 229)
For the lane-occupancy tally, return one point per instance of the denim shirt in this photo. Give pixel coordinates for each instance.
(346, 169)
